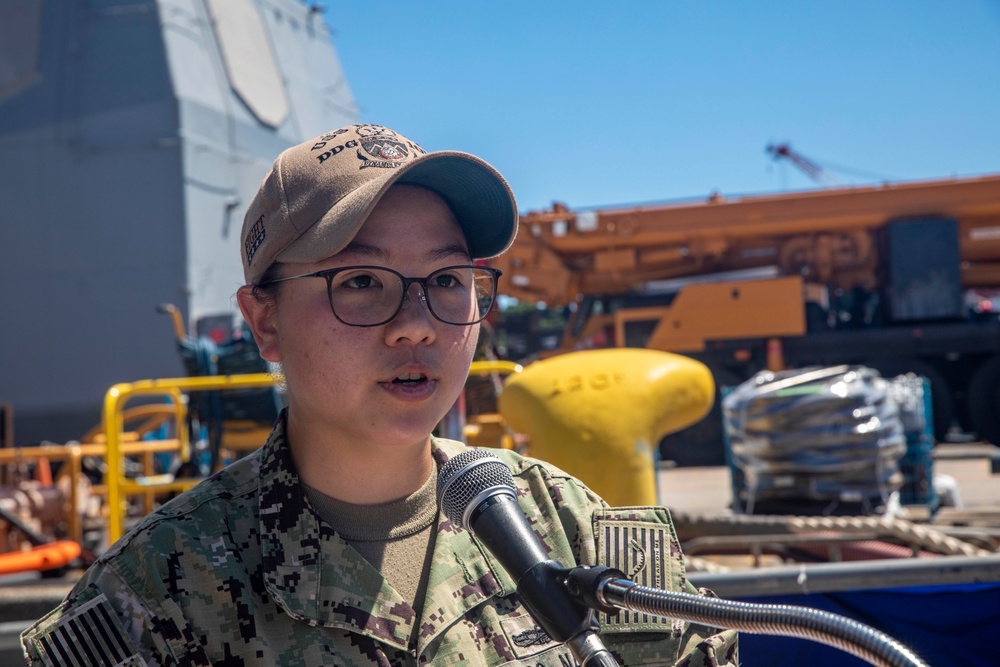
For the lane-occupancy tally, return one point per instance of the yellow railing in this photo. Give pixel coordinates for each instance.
(73, 455)
(141, 420)
(114, 424)
(497, 366)
(118, 487)
(475, 428)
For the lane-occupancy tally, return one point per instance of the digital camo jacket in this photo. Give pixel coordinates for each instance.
(241, 571)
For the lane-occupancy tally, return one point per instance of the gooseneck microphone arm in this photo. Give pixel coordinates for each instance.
(476, 492)
(608, 590)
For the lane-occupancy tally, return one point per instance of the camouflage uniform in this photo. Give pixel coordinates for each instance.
(241, 571)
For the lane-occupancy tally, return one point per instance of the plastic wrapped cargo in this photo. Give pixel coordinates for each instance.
(815, 441)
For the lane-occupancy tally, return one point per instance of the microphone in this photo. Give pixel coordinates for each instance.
(476, 492)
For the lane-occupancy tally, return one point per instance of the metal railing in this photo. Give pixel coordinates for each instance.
(118, 487)
(73, 454)
(453, 423)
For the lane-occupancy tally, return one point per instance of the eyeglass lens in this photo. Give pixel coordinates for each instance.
(368, 296)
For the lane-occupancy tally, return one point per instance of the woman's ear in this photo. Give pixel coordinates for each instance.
(261, 314)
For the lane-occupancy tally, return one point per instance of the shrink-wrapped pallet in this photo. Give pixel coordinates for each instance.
(815, 441)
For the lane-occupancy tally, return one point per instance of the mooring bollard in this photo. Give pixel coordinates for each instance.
(600, 414)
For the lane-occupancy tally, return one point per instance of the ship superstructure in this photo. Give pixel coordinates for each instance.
(133, 133)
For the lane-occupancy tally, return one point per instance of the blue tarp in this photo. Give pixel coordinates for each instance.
(957, 625)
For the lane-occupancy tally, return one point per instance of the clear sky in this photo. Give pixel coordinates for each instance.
(598, 104)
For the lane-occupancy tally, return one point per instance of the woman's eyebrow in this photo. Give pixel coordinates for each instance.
(448, 250)
(379, 253)
(366, 249)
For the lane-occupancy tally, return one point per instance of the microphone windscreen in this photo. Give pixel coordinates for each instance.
(467, 476)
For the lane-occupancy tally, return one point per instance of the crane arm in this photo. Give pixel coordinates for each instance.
(807, 166)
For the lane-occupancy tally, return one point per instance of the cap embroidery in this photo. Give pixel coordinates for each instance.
(322, 140)
(384, 147)
(323, 157)
(389, 153)
(254, 238)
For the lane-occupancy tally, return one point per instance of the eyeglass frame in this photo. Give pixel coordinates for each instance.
(328, 274)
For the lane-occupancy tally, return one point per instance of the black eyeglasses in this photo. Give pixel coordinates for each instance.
(367, 296)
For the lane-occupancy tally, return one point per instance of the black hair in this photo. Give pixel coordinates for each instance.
(265, 289)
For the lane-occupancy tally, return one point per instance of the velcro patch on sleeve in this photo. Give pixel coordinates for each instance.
(525, 637)
(643, 548)
(84, 635)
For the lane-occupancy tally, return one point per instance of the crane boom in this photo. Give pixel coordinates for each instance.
(807, 166)
(877, 275)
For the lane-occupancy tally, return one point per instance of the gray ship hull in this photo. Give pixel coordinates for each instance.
(132, 136)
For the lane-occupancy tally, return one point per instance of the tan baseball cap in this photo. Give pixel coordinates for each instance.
(319, 193)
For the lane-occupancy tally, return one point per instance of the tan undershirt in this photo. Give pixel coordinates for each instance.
(391, 536)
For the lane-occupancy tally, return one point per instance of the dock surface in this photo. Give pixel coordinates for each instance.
(708, 490)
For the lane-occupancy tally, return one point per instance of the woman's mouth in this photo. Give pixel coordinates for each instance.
(410, 379)
(411, 386)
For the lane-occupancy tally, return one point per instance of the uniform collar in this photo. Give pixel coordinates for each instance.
(316, 577)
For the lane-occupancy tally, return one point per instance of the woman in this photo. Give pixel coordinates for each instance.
(326, 547)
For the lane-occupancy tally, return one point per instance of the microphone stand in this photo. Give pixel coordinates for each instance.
(606, 589)
(543, 591)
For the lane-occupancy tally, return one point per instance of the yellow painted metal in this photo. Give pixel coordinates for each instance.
(489, 429)
(826, 235)
(719, 311)
(600, 414)
(73, 454)
(143, 419)
(114, 404)
(494, 366)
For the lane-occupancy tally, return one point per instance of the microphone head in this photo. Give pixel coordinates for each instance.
(468, 478)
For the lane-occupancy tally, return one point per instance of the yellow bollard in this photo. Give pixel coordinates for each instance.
(600, 414)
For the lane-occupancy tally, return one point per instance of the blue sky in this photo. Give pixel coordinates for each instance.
(605, 104)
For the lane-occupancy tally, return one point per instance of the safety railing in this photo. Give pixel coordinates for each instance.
(453, 425)
(72, 454)
(494, 366)
(118, 486)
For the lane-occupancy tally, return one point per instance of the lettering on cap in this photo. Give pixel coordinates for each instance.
(376, 146)
(325, 139)
(254, 238)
